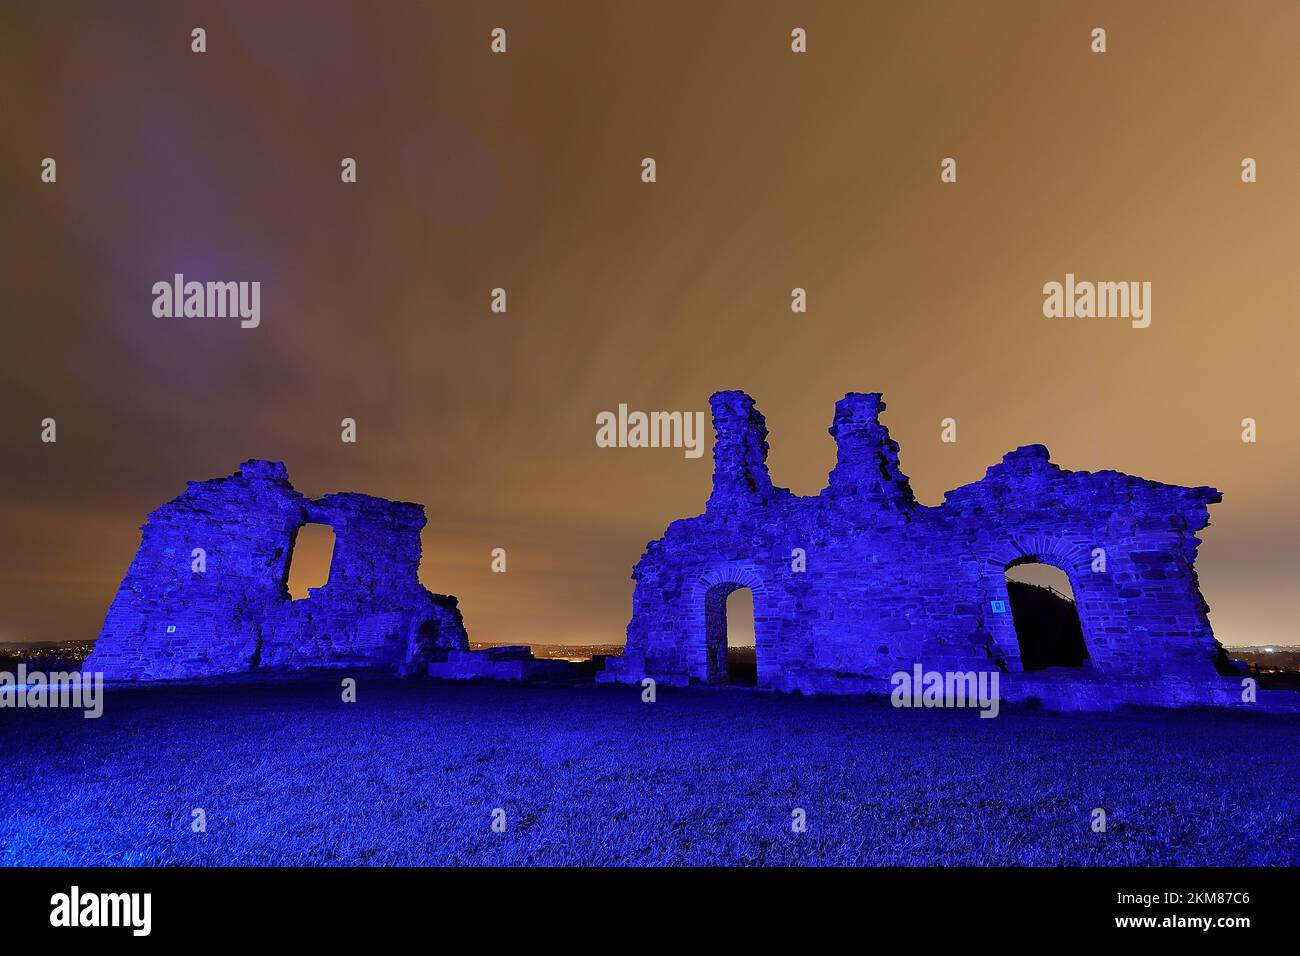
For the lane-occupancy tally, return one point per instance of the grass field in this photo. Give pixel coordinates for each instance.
(410, 774)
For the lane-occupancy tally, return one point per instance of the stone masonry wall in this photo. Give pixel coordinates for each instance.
(172, 619)
(889, 583)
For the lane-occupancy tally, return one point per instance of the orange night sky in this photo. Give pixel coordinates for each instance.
(522, 171)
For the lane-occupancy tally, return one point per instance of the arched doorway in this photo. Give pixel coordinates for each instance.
(729, 635)
(1044, 614)
(728, 599)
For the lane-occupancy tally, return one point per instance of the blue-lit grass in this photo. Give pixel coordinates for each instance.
(410, 774)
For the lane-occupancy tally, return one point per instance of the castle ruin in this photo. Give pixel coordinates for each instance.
(207, 592)
(860, 581)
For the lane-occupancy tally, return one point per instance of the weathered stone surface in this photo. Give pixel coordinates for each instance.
(890, 582)
(171, 619)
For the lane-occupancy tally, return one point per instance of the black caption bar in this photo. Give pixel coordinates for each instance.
(232, 905)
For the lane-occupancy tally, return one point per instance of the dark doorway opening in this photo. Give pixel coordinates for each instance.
(1045, 616)
(729, 635)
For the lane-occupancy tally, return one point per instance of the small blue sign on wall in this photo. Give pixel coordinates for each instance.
(171, 628)
(999, 607)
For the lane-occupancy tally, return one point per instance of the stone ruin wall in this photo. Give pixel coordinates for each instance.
(170, 621)
(890, 583)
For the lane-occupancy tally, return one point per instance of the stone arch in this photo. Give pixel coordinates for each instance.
(707, 610)
(740, 573)
(1069, 556)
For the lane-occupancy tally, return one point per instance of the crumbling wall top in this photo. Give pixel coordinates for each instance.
(740, 476)
(866, 459)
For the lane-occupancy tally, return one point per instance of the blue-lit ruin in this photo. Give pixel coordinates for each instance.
(207, 593)
(850, 586)
(860, 582)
